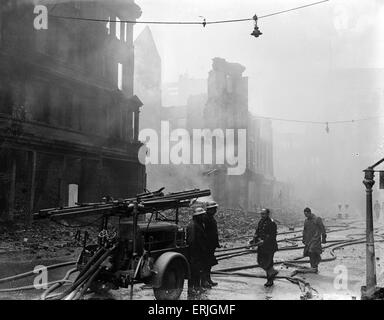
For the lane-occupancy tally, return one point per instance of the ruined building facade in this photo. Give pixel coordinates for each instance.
(227, 108)
(69, 119)
(223, 104)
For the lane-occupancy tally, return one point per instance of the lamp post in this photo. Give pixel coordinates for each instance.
(370, 287)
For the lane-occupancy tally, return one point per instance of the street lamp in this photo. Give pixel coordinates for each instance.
(368, 291)
(256, 31)
(370, 287)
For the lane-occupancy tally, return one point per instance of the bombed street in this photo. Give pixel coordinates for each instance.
(192, 150)
(341, 272)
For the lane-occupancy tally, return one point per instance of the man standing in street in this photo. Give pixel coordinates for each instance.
(265, 237)
(313, 235)
(212, 235)
(198, 253)
(377, 210)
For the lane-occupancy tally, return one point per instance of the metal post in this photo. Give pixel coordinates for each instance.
(370, 246)
(33, 187)
(134, 245)
(135, 216)
(1, 25)
(177, 215)
(12, 192)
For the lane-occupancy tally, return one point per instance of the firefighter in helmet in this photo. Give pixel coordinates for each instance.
(198, 253)
(210, 226)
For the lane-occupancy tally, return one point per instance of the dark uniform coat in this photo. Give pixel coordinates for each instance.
(197, 242)
(313, 233)
(267, 231)
(210, 226)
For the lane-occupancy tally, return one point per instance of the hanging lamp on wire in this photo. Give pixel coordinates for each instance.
(256, 31)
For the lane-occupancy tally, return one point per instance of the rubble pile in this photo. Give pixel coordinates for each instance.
(231, 223)
(236, 223)
(43, 236)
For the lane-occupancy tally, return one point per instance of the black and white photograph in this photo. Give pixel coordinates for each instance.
(191, 150)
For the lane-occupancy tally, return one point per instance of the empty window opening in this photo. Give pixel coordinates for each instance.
(108, 26)
(125, 32)
(120, 76)
(73, 194)
(118, 28)
(133, 126)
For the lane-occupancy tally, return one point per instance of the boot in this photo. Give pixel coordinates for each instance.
(206, 285)
(269, 283)
(273, 274)
(205, 281)
(211, 282)
(192, 291)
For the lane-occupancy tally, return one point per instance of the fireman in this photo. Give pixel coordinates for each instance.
(212, 235)
(198, 253)
(265, 237)
(314, 234)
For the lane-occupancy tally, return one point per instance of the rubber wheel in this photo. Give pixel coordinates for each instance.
(172, 284)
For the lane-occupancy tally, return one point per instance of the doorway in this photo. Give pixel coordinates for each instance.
(73, 194)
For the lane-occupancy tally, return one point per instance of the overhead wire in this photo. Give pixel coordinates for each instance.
(319, 122)
(203, 23)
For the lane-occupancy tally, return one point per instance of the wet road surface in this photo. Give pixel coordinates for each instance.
(341, 278)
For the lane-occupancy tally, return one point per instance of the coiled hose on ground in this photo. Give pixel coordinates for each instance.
(83, 281)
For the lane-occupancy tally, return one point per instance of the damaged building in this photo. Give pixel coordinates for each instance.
(220, 102)
(69, 119)
(227, 107)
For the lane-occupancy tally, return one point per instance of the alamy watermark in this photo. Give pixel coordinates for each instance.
(41, 280)
(205, 146)
(41, 20)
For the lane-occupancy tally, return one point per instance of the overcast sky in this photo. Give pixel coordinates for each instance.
(338, 33)
(287, 68)
(307, 36)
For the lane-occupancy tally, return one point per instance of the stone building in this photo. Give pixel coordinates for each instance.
(260, 173)
(69, 120)
(227, 108)
(223, 104)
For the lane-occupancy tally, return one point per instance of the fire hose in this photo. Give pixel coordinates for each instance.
(250, 275)
(78, 287)
(297, 259)
(29, 273)
(337, 244)
(89, 272)
(33, 287)
(239, 252)
(59, 284)
(226, 254)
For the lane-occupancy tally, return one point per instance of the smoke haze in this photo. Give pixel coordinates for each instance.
(321, 63)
